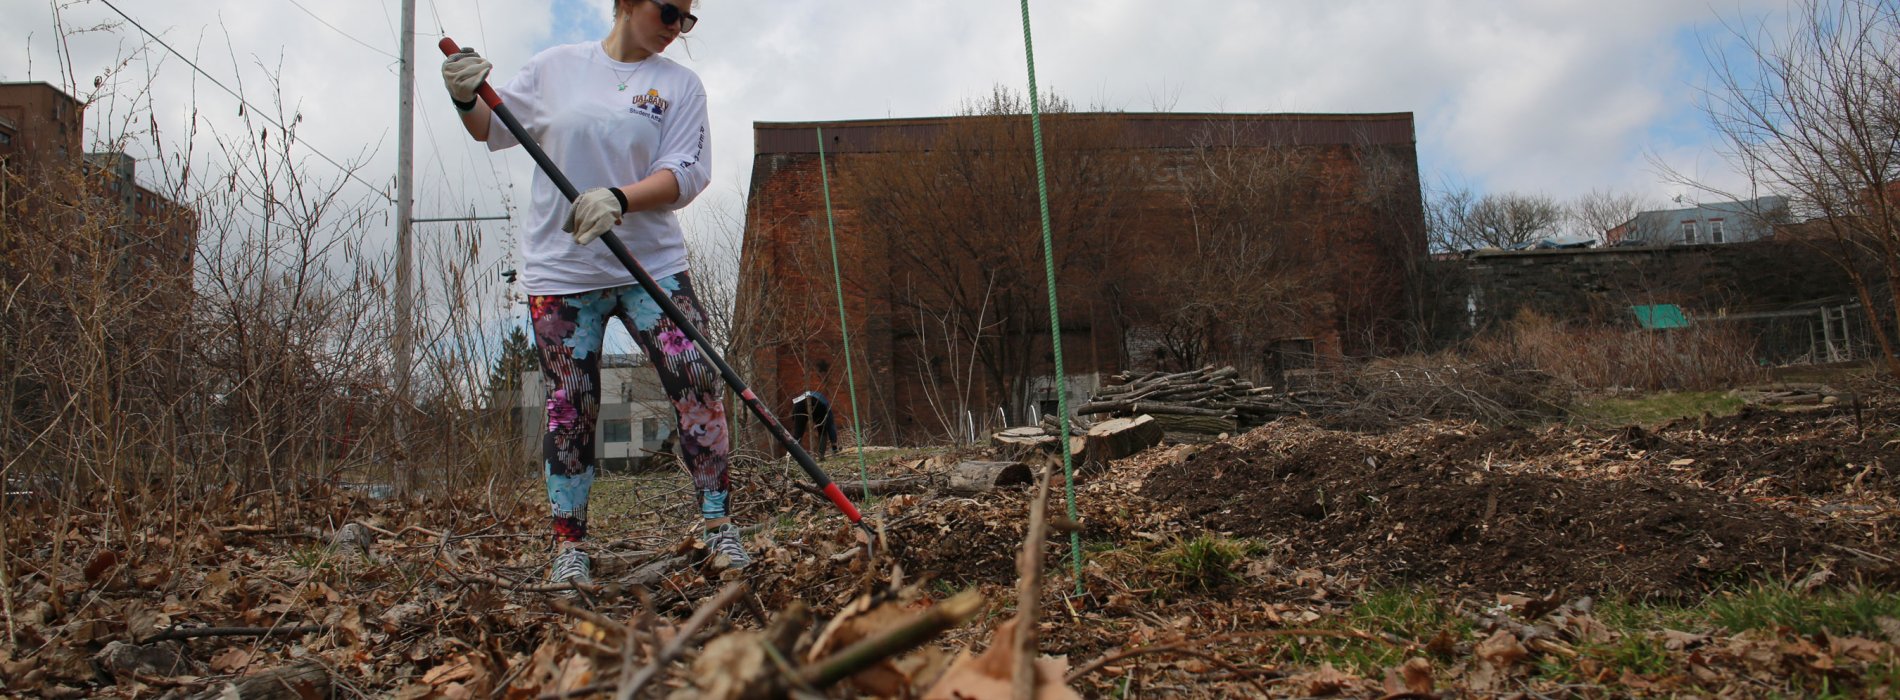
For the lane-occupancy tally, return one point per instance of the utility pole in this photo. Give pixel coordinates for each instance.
(405, 203)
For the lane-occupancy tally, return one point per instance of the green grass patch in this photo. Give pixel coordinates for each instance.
(1625, 616)
(1415, 614)
(1760, 606)
(1205, 562)
(1636, 645)
(1839, 612)
(1653, 408)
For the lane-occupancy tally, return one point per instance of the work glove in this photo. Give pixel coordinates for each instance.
(464, 72)
(595, 212)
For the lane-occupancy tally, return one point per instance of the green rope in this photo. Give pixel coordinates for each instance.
(1055, 321)
(844, 329)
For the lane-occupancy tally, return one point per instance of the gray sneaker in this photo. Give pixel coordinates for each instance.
(725, 549)
(572, 564)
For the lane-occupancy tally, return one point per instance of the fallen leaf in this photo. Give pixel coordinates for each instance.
(100, 564)
(231, 659)
(987, 677)
(457, 668)
(1858, 648)
(732, 666)
(1678, 641)
(1325, 681)
(1632, 680)
(1502, 649)
(577, 671)
(1890, 627)
(1417, 674)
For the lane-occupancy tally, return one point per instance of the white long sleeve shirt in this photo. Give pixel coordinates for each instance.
(606, 124)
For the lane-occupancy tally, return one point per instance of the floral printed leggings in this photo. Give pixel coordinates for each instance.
(568, 330)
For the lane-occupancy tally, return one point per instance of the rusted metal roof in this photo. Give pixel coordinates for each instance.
(1168, 130)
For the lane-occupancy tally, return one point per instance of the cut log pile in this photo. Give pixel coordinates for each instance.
(1792, 394)
(1207, 401)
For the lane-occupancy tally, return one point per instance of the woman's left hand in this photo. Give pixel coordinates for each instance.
(595, 212)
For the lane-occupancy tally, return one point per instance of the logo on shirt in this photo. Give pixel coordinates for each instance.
(650, 104)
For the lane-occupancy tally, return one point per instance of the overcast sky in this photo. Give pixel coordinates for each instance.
(1553, 96)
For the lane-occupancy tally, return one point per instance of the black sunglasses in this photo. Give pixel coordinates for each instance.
(670, 13)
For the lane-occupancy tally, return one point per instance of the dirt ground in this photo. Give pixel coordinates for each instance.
(1441, 559)
(1671, 513)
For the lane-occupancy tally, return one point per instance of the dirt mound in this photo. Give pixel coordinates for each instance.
(1452, 508)
(1816, 452)
(964, 541)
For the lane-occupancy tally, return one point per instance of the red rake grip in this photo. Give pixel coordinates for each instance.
(450, 48)
(844, 504)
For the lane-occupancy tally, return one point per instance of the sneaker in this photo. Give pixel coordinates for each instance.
(573, 565)
(723, 544)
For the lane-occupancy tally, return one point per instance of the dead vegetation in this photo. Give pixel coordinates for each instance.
(1749, 555)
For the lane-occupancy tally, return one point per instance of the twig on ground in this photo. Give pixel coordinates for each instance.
(1029, 591)
(677, 644)
(926, 626)
(197, 632)
(1098, 664)
(559, 587)
(1092, 666)
(784, 666)
(625, 631)
(1861, 553)
(6, 578)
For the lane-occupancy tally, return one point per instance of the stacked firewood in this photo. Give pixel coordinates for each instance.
(1205, 400)
(1792, 394)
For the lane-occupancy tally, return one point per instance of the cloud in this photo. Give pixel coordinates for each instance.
(1556, 96)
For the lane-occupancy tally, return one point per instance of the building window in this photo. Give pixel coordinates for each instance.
(650, 430)
(1688, 232)
(616, 430)
(1715, 232)
(6, 139)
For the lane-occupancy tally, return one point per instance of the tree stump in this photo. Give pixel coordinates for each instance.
(1120, 437)
(971, 478)
(1027, 436)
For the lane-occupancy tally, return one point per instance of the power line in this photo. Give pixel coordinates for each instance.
(261, 114)
(345, 34)
(437, 13)
(479, 24)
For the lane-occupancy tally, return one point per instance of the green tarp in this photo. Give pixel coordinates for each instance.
(1660, 316)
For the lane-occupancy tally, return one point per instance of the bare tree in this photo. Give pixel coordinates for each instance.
(1447, 217)
(1508, 220)
(1254, 269)
(1457, 219)
(961, 219)
(1815, 113)
(1598, 212)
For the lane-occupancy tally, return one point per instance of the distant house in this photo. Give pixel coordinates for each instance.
(636, 418)
(1719, 222)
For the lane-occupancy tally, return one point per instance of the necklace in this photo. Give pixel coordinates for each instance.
(629, 76)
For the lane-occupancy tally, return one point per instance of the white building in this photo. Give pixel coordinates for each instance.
(635, 416)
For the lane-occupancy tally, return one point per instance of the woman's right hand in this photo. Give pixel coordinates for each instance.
(463, 73)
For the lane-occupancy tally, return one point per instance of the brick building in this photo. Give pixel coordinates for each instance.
(1137, 196)
(44, 168)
